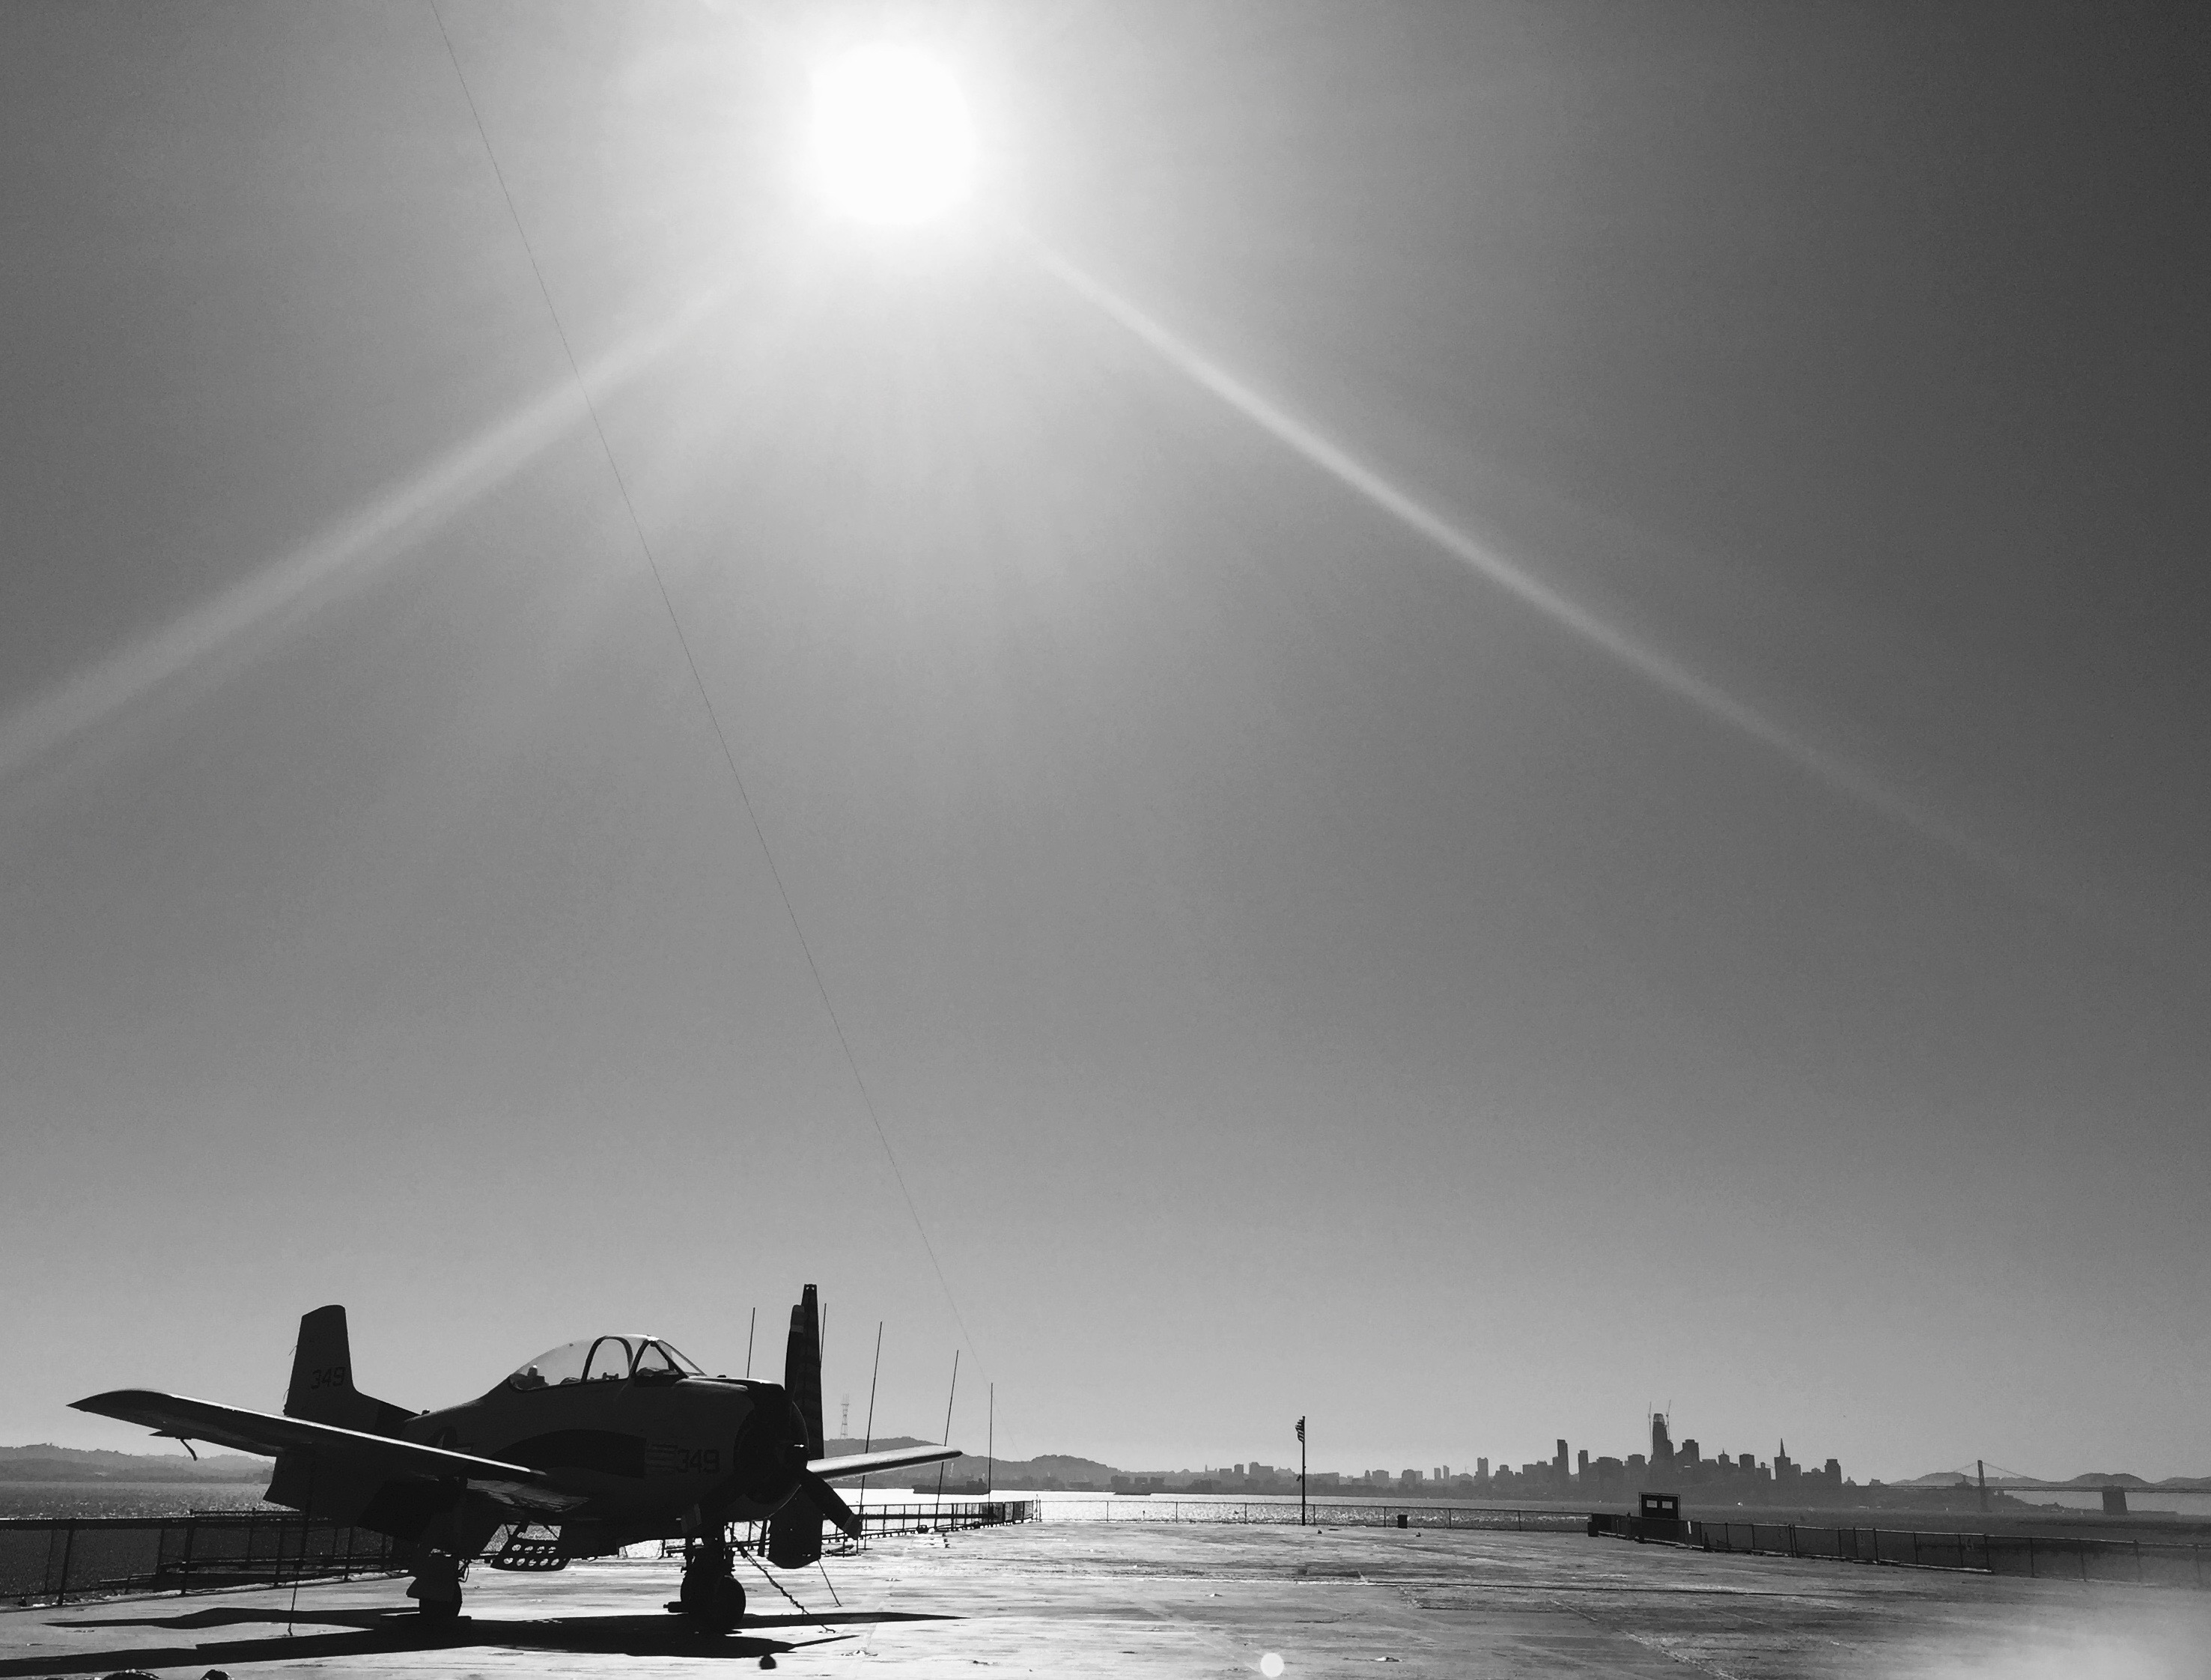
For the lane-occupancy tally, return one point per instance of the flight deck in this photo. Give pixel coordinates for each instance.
(1144, 1598)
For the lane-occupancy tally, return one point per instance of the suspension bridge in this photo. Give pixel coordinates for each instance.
(1986, 1478)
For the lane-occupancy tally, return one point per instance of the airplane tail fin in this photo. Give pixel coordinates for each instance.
(794, 1533)
(322, 1390)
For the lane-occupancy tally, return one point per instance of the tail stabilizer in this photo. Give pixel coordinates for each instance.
(322, 1390)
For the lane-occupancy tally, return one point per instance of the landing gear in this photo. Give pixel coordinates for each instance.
(711, 1595)
(437, 1585)
(442, 1552)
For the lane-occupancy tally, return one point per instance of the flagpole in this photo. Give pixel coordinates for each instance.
(1301, 1472)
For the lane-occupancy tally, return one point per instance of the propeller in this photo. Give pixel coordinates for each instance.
(801, 1367)
(829, 1503)
(794, 1539)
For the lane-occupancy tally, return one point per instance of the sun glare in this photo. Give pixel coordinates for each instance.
(892, 142)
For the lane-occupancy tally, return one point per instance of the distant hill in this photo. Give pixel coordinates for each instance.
(46, 1462)
(1061, 1468)
(882, 1443)
(1064, 1466)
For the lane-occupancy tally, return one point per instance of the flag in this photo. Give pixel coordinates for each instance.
(1301, 1429)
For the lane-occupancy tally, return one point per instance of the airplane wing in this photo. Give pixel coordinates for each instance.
(267, 1434)
(867, 1464)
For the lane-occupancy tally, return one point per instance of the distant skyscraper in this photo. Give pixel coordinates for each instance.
(1661, 1443)
(1581, 1463)
(1689, 1451)
(1481, 1468)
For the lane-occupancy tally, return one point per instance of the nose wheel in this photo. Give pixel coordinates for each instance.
(711, 1595)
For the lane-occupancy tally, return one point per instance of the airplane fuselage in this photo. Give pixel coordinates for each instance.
(636, 1450)
(610, 1439)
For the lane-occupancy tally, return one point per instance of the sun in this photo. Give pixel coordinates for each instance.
(892, 142)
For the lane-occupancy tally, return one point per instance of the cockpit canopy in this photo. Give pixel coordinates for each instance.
(604, 1359)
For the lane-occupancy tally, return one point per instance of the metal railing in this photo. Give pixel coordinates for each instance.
(2039, 1557)
(941, 1516)
(923, 1517)
(50, 1560)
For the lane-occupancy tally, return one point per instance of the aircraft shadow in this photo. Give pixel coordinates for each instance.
(367, 1633)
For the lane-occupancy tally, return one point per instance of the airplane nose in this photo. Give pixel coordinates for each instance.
(766, 1462)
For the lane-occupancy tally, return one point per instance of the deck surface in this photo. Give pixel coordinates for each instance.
(1139, 1598)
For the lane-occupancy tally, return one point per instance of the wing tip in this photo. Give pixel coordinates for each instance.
(102, 1402)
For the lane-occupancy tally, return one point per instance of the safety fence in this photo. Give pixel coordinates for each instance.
(942, 1516)
(2039, 1556)
(1321, 1513)
(923, 1517)
(50, 1560)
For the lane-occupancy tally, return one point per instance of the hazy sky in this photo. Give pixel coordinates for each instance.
(1730, 933)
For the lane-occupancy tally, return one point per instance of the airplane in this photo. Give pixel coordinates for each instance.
(611, 1440)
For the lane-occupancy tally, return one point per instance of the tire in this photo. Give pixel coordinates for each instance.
(714, 1604)
(438, 1612)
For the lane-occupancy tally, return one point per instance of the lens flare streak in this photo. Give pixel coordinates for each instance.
(346, 552)
(1355, 474)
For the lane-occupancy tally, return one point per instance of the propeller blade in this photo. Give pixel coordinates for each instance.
(794, 1536)
(801, 1367)
(829, 1503)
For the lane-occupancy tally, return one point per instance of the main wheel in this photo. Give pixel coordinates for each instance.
(714, 1602)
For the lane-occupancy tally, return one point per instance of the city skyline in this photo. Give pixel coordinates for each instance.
(1614, 1472)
